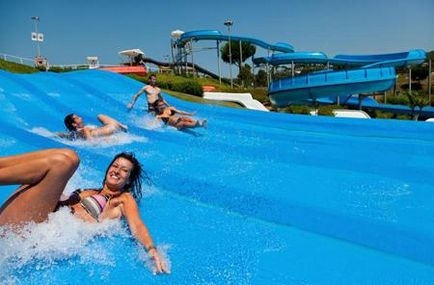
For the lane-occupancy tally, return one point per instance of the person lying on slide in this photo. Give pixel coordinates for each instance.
(77, 129)
(43, 176)
(169, 117)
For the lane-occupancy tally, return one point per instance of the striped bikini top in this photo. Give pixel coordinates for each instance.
(94, 204)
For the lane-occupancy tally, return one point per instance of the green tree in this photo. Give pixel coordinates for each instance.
(247, 50)
(245, 76)
(261, 78)
(431, 55)
(419, 73)
(416, 100)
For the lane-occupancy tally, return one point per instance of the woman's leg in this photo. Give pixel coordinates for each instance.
(109, 127)
(43, 176)
(186, 122)
(20, 169)
(107, 121)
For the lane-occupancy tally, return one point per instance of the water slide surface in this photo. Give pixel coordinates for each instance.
(375, 73)
(411, 57)
(312, 86)
(256, 198)
(217, 35)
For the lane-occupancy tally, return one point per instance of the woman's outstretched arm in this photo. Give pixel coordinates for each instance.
(183, 112)
(131, 212)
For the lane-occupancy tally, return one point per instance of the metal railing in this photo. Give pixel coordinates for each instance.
(31, 62)
(18, 59)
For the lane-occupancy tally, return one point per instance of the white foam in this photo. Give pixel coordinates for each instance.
(148, 261)
(23, 96)
(99, 142)
(7, 142)
(43, 132)
(147, 122)
(61, 237)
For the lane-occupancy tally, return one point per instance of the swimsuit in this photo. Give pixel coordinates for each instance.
(166, 119)
(153, 107)
(93, 204)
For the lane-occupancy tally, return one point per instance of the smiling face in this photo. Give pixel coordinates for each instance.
(118, 174)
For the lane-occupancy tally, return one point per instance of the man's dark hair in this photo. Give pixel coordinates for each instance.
(69, 120)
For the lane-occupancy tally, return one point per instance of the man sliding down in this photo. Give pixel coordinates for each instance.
(153, 96)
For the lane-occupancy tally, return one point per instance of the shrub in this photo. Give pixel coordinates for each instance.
(326, 110)
(383, 115)
(189, 87)
(403, 117)
(414, 86)
(295, 109)
(260, 94)
(398, 100)
(176, 83)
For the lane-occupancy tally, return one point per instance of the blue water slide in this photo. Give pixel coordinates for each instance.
(296, 57)
(256, 198)
(375, 75)
(217, 35)
(411, 57)
(312, 86)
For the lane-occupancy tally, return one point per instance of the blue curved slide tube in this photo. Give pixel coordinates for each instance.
(217, 35)
(376, 74)
(298, 89)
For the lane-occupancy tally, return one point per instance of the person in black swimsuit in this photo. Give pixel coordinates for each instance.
(169, 117)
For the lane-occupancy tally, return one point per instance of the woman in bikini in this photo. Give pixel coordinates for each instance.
(169, 117)
(77, 129)
(43, 176)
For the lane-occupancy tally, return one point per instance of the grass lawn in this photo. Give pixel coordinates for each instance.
(16, 67)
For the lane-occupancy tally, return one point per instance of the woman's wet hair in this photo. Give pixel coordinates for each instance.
(69, 120)
(136, 175)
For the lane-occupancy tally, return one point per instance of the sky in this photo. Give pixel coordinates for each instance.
(75, 29)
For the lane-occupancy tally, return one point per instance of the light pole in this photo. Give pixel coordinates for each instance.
(37, 39)
(229, 23)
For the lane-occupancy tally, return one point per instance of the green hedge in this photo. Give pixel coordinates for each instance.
(190, 87)
(403, 117)
(327, 110)
(397, 100)
(295, 109)
(383, 115)
(176, 83)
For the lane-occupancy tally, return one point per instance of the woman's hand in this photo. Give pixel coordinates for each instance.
(160, 264)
